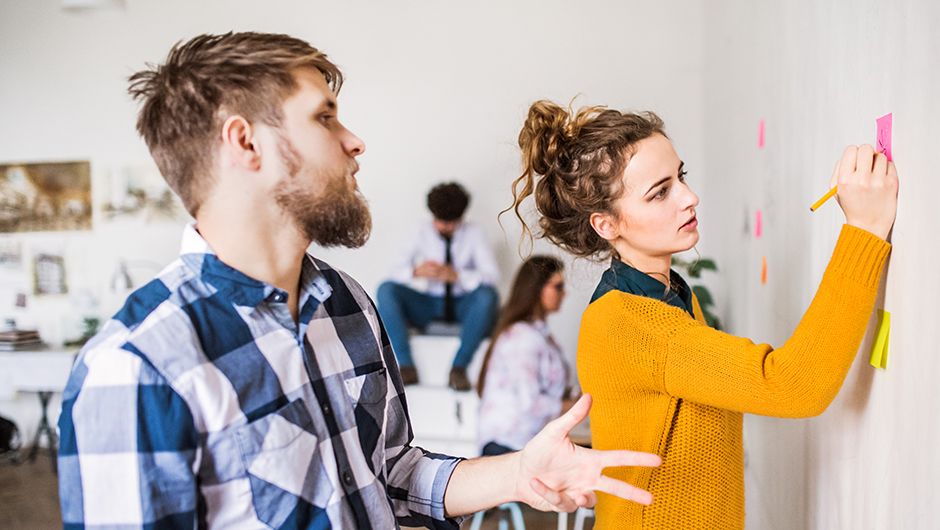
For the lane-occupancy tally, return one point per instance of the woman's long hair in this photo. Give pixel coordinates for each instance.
(524, 303)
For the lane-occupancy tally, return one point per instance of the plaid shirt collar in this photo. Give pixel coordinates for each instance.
(244, 290)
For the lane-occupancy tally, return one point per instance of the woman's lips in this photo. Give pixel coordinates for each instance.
(691, 225)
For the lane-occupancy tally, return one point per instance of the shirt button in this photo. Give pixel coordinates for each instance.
(347, 478)
(326, 409)
(278, 297)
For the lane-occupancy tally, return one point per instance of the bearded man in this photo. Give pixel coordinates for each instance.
(251, 385)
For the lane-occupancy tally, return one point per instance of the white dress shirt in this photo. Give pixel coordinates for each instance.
(472, 258)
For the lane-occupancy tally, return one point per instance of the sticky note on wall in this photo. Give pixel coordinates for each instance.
(760, 133)
(763, 270)
(883, 137)
(758, 224)
(879, 349)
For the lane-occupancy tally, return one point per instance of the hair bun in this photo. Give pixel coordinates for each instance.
(543, 138)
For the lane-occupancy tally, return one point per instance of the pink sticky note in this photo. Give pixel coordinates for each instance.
(884, 135)
(760, 134)
(759, 225)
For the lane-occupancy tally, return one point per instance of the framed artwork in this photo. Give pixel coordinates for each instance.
(49, 274)
(42, 197)
(140, 192)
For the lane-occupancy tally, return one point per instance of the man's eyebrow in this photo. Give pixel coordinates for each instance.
(326, 104)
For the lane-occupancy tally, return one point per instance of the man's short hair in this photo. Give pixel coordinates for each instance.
(203, 82)
(448, 201)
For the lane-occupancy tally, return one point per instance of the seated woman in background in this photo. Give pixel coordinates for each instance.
(523, 382)
(609, 184)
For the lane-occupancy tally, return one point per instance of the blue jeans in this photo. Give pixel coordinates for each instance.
(401, 306)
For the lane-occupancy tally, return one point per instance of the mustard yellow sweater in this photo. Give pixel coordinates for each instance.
(666, 383)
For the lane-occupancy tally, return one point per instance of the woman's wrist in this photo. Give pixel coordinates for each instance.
(876, 231)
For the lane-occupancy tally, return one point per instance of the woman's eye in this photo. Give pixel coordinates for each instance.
(682, 176)
(662, 192)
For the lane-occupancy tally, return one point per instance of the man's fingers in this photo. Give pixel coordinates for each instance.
(592, 500)
(583, 500)
(551, 497)
(555, 500)
(626, 458)
(574, 416)
(624, 490)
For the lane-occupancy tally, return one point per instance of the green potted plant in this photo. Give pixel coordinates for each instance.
(693, 271)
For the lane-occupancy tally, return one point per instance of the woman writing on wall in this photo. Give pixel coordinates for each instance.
(608, 184)
(524, 379)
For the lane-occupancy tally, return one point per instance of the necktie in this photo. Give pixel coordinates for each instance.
(449, 313)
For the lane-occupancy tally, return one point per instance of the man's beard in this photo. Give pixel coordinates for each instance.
(336, 216)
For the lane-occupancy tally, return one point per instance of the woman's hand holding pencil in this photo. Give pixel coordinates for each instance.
(866, 185)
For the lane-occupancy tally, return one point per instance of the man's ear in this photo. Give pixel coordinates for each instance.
(605, 225)
(240, 143)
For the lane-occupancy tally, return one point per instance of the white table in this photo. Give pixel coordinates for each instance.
(43, 372)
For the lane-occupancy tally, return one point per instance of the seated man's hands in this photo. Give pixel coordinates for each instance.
(428, 269)
(433, 270)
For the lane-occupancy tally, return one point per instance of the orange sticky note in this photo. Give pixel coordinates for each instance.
(763, 270)
(879, 349)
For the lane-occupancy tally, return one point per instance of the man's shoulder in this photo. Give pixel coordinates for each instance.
(345, 288)
(153, 324)
(174, 284)
(472, 232)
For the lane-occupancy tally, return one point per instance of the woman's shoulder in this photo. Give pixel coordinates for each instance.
(618, 308)
(522, 330)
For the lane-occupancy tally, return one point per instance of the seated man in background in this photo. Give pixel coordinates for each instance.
(446, 272)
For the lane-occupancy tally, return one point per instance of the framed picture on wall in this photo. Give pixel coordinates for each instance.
(49, 274)
(48, 196)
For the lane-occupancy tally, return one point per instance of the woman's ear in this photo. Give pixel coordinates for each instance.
(240, 143)
(604, 225)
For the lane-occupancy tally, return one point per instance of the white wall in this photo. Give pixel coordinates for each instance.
(437, 91)
(820, 73)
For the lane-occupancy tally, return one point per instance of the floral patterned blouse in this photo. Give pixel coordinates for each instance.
(525, 383)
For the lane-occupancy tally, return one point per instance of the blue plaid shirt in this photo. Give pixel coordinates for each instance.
(203, 404)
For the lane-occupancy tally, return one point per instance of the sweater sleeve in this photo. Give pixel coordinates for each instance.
(668, 352)
(804, 375)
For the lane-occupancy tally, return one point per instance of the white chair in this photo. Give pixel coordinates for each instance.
(515, 513)
(579, 517)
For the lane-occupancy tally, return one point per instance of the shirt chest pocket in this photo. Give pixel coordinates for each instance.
(368, 389)
(284, 466)
(367, 394)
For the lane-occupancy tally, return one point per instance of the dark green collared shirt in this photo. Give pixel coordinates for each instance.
(622, 277)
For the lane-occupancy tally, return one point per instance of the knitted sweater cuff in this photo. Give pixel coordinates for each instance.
(860, 256)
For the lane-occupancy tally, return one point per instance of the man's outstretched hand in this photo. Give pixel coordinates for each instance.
(557, 475)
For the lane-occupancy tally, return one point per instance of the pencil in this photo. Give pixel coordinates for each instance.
(824, 198)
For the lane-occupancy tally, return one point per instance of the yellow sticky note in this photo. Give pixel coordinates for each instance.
(879, 349)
